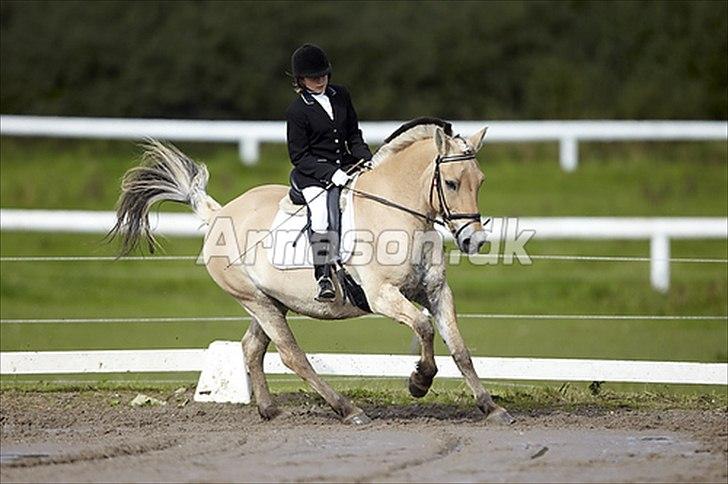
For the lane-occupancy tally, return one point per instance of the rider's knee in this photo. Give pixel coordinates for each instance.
(319, 221)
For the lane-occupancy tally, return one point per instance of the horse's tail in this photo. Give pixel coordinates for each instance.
(165, 173)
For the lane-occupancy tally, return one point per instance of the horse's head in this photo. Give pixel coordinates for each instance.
(454, 192)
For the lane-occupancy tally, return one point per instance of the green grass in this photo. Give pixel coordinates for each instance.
(678, 179)
(157, 289)
(650, 179)
(392, 393)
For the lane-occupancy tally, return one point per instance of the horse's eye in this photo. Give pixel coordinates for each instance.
(452, 185)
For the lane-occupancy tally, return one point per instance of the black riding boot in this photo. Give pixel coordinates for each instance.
(325, 284)
(321, 247)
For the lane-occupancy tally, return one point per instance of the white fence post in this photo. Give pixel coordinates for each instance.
(568, 153)
(249, 150)
(660, 262)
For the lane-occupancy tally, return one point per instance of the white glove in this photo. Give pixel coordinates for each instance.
(339, 178)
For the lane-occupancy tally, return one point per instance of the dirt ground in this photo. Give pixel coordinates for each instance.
(98, 436)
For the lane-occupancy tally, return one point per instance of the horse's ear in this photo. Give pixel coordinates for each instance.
(441, 141)
(477, 140)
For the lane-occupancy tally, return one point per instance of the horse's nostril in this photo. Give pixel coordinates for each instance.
(466, 243)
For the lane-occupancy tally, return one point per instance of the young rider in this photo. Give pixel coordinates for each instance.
(324, 142)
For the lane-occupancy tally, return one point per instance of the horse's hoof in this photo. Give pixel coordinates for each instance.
(268, 413)
(500, 416)
(416, 390)
(358, 419)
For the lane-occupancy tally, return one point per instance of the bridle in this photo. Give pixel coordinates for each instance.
(435, 187)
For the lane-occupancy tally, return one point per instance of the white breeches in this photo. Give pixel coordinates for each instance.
(319, 208)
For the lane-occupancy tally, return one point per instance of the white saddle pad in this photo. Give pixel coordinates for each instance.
(286, 227)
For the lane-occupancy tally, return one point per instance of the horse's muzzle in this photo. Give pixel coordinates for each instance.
(471, 240)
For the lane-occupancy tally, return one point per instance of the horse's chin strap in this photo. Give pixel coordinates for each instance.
(436, 187)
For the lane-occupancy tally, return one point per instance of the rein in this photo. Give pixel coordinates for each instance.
(392, 204)
(447, 215)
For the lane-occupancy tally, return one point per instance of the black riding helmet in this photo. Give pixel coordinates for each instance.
(310, 61)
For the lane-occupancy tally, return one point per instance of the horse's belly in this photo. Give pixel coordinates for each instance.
(296, 289)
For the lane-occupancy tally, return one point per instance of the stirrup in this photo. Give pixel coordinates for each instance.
(326, 290)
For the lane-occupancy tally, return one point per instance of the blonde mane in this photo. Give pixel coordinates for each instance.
(416, 133)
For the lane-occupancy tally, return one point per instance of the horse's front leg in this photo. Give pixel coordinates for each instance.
(442, 307)
(390, 302)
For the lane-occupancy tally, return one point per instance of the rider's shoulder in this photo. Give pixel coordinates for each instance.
(336, 89)
(296, 106)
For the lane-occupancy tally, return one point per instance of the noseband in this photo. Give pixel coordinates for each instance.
(436, 187)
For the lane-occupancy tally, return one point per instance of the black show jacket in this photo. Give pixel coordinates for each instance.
(318, 145)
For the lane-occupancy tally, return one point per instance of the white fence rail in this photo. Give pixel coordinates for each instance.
(658, 230)
(249, 134)
(186, 360)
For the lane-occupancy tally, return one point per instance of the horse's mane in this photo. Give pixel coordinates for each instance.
(408, 133)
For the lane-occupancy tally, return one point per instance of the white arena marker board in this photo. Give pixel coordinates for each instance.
(172, 360)
(224, 378)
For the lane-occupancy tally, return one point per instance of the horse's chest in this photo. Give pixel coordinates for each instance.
(417, 283)
(424, 275)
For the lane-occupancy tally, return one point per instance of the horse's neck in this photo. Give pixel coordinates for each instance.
(404, 178)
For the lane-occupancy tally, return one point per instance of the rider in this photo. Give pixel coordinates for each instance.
(324, 141)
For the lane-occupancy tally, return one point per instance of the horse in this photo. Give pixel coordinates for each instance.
(422, 176)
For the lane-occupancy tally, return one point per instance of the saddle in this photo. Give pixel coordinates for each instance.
(292, 203)
(291, 230)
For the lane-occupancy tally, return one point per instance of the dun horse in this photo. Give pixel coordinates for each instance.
(422, 175)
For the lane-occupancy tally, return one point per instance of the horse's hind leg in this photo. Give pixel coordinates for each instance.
(273, 322)
(390, 302)
(255, 344)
